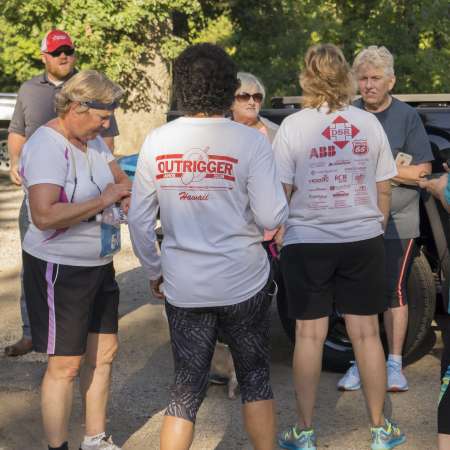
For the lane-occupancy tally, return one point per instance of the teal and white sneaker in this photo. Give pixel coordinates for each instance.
(296, 439)
(351, 381)
(396, 380)
(386, 437)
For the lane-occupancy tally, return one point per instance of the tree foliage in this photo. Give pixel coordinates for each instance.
(271, 37)
(267, 37)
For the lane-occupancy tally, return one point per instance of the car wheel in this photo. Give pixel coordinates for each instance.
(4, 156)
(338, 352)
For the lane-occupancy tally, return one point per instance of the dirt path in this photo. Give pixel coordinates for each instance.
(143, 372)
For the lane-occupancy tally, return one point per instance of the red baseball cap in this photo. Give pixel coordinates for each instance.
(55, 39)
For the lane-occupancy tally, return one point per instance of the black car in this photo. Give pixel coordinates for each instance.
(428, 281)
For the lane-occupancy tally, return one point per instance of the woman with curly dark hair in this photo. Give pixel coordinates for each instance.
(215, 183)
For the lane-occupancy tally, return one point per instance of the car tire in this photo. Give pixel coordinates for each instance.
(338, 352)
(4, 156)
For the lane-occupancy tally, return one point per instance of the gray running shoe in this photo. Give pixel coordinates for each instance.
(105, 444)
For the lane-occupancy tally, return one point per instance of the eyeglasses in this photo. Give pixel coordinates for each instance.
(59, 51)
(245, 97)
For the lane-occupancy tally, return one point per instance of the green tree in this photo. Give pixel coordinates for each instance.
(119, 37)
(271, 37)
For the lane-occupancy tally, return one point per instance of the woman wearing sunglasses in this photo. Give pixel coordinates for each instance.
(248, 100)
(70, 177)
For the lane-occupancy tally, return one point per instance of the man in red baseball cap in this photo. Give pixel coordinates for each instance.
(58, 55)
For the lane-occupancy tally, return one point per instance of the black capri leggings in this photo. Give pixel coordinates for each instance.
(194, 331)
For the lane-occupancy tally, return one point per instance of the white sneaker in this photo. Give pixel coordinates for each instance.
(351, 380)
(396, 381)
(104, 444)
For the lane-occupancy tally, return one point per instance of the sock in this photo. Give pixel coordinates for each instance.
(64, 446)
(395, 358)
(91, 440)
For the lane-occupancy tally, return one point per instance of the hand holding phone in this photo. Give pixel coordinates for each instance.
(403, 159)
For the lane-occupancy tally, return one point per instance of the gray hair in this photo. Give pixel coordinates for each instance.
(249, 80)
(86, 86)
(379, 57)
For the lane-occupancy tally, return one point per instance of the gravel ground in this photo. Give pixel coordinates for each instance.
(143, 372)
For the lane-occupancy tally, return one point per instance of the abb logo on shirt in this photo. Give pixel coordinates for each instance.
(195, 166)
(322, 152)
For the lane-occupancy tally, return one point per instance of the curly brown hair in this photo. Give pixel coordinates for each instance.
(205, 80)
(326, 78)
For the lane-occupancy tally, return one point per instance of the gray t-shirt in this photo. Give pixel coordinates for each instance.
(406, 134)
(35, 106)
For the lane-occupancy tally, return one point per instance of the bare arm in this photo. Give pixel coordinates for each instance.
(411, 175)
(15, 144)
(384, 199)
(436, 187)
(121, 177)
(48, 212)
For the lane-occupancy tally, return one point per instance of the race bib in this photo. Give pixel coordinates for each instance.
(110, 239)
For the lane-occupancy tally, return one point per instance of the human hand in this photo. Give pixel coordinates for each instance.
(435, 186)
(279, 236)
(14, 174)
(155, 288)
(125, 204)
(114, 193)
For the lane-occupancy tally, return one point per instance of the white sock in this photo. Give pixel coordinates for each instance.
(395, 358)
(91, 440)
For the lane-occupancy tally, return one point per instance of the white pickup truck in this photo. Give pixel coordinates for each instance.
(7, 103)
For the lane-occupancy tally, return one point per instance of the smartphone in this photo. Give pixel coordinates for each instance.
(403, 159)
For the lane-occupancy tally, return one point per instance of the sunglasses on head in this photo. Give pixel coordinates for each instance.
(245, 97)
(68, 51)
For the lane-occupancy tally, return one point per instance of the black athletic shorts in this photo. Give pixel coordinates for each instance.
(65, 303)
(399, 256)
(351, 275)
(193, 333)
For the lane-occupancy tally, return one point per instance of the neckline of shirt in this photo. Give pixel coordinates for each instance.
(204, 120)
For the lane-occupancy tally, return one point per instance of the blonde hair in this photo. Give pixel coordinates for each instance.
(86, 86)
(326, 78)
(249, 80)
(378, 57)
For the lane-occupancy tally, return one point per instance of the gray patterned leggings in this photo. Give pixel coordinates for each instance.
(193, 331)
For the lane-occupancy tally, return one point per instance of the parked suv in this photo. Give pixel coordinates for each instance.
(428, 281)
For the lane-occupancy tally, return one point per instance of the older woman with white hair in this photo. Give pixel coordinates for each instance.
(246, 107)
(70, 177)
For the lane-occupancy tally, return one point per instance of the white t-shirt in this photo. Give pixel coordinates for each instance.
(334, 162)
(216, 185)
(48, 157)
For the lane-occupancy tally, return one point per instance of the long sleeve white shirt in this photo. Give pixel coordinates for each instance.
(217, 188)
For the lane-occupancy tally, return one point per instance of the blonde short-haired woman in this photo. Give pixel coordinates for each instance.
(70, 177)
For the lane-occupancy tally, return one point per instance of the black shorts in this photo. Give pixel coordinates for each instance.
(399, 256)
(65, 303)
(194, 332)
(351, 275)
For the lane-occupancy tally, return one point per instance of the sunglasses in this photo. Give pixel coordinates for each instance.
(59, 51)
(245, 97)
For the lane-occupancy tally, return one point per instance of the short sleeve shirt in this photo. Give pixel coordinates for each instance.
(406, 134)
(35, 106)
(333, 160)
(78, 245)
